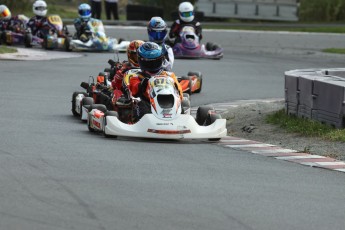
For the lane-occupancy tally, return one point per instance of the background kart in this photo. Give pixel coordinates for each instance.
(97, 40)
(188, 46)
(56, 35)
(96, 91)
(169, 118)
(20, 35)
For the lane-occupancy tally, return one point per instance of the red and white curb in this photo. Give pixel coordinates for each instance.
(269, 150)
(282, 154)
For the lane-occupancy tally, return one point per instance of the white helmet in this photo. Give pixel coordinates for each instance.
(40, 8)
(5, 13)
(186, 11)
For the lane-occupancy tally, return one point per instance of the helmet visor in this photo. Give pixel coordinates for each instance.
(40, 8)
(6, 13)
(151, 65)
(84, 12)
(133, 58)
(186, 14)
(157, 35)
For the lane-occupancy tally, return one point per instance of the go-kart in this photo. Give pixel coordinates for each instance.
(96, 39)
(96, 91)
(188, 46)
(19, 34)
(169, 118)
(56, 35)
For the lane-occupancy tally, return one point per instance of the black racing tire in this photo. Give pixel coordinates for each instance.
(87, 101)
(74, 95)
(201, 114)
(67, 44)
(199, 76)
(212, 117)
(3, 39)
(109, 114)
(27, 40)
(209, 46)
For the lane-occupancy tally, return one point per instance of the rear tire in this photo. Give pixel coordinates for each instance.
(109, 114)
(202, 114)
(74, 95)
(28, 40)
(87, 101)
(66, 45)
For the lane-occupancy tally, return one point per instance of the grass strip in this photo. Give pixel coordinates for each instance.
(5, 49)
(306, 127)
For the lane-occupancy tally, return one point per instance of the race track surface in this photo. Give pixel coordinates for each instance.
(55, 175)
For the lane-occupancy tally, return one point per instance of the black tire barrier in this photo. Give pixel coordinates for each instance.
(143, 12)
(316, 94)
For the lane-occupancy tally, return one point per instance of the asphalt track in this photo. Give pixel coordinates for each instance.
(54, 174)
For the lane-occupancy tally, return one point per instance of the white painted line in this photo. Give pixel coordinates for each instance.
(308, 164)
(238, 140)
(341, 170)
(250, 145)
(274, 151)
(330, 163)
(300, 157)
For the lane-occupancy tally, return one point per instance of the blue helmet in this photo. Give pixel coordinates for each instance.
(84, 11)
(157, 30)
(150, 57)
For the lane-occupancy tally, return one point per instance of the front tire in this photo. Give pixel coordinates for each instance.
(202, 114)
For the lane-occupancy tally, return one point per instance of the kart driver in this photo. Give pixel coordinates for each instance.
(7, 22)
(81, 23)
(131, 64)
(157, 31)
(37, 22)
(186, 14)
(150, 58)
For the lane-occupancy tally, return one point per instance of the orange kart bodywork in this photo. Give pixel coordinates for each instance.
(192, 83)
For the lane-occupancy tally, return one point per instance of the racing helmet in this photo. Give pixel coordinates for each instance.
(40, 8)
(186, 11)
(132, 52)
(84, 11)
(5, 13)
(150, 57)
(157, 30)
